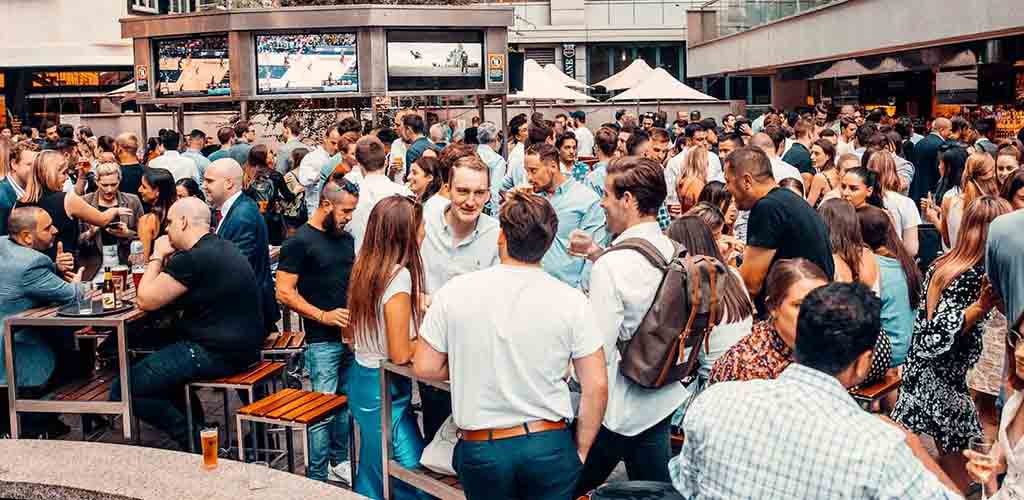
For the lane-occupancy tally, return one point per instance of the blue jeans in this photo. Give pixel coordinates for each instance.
(35, 360)
(407, 444)
(158, 383)
(646, 456)
(328, 364)
(539, 466)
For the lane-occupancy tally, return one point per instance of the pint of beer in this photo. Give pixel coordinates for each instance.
(208, 436)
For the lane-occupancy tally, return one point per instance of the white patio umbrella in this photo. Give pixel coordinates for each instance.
(659, 85)
(538, 85)
(564, 79)
(627, 78)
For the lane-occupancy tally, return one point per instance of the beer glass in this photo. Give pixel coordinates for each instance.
(257, 473)
(84, 299)
(580, 243)
(208, 437)
(986, 463)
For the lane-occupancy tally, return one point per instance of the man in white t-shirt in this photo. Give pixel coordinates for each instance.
(695, 136)
(180, 167)
(374, 186)
(495, 334)
(584, 137)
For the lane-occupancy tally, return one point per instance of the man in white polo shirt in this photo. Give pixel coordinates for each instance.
(507, 335)
(459, 239)
(374, 186)
(636, 424)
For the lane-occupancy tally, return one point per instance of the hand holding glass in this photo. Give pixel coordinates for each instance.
(982, 463)
(580, 243)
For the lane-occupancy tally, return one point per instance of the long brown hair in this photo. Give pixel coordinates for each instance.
(884, 165)
(844, 232)
(786, 273)
(877, 231)
(46, 169)
(830, 152)
(979, 178)
(693, 233)
(391, 240)
(969, 249)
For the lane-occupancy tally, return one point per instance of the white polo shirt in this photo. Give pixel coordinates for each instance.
(510, 333)
(179, 166)
(373, 188)
(444, 260)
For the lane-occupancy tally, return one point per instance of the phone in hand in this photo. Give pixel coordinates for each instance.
(116, 226)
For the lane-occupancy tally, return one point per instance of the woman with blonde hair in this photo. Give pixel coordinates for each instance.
(903, 210)
(979, 179)
(947, 340)
(692, 178)
(45, 190)
(386, 280)
(108, 195)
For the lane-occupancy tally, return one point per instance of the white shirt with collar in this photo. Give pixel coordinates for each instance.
(584, 141)
(226, 207)
(508, 348)
(180, 167)
(309, 176)
(444, 260)
(374, 187)
(622, 289)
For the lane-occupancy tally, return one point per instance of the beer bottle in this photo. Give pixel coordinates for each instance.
(109, 295)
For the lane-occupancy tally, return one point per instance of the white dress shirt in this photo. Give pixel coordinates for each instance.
(508, 348)
(675, 169)
(180, 167)
(374, 187)
(309, 176)
(444, 260)
(226, 207)
(622, 288)
(584, 141)
(782, 170)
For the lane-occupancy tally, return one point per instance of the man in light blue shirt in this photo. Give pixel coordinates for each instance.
(196, 143)
(293, 140)
(487, 134)
(802, 436)
(605, 142)
(577, 207)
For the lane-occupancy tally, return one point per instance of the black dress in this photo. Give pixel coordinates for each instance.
(52, 202)
(934, 399)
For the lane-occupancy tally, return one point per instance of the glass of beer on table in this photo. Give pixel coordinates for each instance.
(208, 436)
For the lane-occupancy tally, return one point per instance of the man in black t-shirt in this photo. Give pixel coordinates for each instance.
(312, 280)
(221, 331)
(126, 149)
(799, 154)
(782, 225)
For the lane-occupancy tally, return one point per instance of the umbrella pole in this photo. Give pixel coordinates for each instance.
(659, 105)
(533, 105)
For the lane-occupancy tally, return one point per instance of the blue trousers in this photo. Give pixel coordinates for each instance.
(365, 402)
(328, 364)
(541, 466)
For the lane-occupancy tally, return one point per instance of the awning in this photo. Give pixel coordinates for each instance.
(564, 79)
(538, 85)
(661, 86)
(627, 78)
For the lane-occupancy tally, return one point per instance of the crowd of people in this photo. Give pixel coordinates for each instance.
(856, 248)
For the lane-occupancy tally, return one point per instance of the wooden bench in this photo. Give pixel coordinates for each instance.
(434, 483)
(94, 388)
(292, 409)
(868, 396)
(259, 374)
(285, 347)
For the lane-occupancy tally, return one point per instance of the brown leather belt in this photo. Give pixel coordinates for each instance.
(531, 427)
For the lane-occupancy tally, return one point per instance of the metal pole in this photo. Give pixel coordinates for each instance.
(143, 125)
(480, 107)
(245, 110)
(504, 125)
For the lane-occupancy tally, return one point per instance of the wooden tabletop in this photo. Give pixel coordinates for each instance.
(47, 315)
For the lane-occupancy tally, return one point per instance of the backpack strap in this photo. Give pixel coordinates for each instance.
(644, 248)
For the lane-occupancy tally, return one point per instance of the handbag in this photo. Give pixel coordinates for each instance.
(438, 455)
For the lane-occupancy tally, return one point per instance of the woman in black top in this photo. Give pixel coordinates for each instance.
(45, 190)
(267, 187)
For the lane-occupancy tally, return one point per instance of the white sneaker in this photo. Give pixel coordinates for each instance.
(341, 473)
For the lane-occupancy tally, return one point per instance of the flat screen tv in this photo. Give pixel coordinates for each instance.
(306, 63)
(192, 67)
(435, 60)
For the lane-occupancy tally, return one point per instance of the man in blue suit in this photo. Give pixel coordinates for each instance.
(926, 161)
(29, 279)
(237, 218)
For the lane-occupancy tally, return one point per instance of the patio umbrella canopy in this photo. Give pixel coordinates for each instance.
(661, 86)
(627, 78)
(564, 79)
(539, 85)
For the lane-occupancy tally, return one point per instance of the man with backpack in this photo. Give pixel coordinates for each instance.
(623, 286)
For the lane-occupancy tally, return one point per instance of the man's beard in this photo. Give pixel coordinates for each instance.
(331, 226)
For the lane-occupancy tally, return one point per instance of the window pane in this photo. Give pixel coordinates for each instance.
(649, 55)
(670, 60)
(597, 61)
(716, 87)
(738, 87)
(623, 58)
(762, 90)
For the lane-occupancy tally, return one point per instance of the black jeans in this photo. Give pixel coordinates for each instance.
(158, 383)
(646, 456)
(539, 466)
(437, 407)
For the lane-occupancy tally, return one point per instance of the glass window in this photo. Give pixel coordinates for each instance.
(180, 7)
(597, 61)
(622, 57)
(151, 6)
(649, 55)
(762, 89)
(738, 87)
(670, 61)
(716, 87)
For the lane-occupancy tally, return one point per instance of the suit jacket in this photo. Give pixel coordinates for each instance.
(926, 167)
(243, 225)
(28, 279)
(8, 198)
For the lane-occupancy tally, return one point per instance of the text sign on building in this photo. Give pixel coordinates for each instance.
(569, 59)
(496, 67)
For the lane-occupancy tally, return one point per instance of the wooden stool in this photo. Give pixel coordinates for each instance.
(292, 409)
(261, 373)
(868, 396)
(285, 347)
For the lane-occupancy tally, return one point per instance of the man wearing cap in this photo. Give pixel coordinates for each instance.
(196, 143)
(584, 137)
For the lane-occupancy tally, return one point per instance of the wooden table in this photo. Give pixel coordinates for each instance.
(88, 396)
(438, 485)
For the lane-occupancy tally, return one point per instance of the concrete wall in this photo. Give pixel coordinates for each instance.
(209, 122)
(63, 33)
(599, 21)
(853, 28)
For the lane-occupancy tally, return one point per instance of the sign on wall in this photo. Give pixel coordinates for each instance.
(569, 59)
(496, 67)
(141, 79)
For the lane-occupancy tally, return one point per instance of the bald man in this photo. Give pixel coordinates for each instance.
(29, 279)
(926, 160)
(211, 283)
(126, 149)
(237, 218)
(780, 169)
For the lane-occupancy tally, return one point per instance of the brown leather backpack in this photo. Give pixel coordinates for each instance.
(686, 306)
